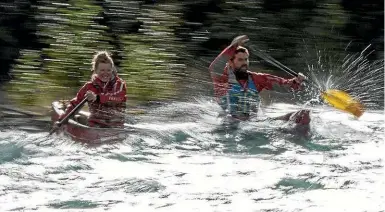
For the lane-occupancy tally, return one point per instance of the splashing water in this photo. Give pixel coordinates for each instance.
(199, 166)
(355, 74)
(185, 159)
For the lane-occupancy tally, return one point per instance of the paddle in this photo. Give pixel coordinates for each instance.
(65, 119)
(336, 98)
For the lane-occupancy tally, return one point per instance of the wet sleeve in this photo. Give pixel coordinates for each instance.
(271, 82)
(219, 63)
(219, 70)
(75, 101)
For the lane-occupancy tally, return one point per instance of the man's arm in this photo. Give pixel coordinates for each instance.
(270, 82)
(219, 63)
(219, 70)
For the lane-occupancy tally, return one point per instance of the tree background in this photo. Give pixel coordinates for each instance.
(163, 48)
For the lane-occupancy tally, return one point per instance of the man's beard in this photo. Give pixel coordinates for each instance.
(241, 73)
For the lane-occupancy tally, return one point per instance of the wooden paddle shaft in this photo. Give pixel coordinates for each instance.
(75, 110)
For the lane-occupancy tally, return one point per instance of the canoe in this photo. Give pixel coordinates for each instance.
(77, 129)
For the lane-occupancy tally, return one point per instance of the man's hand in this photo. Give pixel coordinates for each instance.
(240, 40)
(91, 96)
(300, 78)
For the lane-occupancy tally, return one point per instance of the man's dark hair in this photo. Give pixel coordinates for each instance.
(240, 49)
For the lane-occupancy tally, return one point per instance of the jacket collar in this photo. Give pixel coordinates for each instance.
(102, 84)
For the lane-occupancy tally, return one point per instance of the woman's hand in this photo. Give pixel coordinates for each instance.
(91, 96)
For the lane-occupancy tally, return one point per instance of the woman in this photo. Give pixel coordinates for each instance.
(105, 93)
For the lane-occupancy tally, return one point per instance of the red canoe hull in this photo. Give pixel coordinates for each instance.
(83, 133)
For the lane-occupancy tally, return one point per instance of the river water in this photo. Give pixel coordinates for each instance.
(186, 160)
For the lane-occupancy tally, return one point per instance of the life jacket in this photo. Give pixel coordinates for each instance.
(240, 102)
(109, 113)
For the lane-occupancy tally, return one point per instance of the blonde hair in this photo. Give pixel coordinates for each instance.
(102, 57)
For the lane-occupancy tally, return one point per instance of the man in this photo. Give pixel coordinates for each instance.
(237, 89)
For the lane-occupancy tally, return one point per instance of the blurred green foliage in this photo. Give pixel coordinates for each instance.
(163, 48)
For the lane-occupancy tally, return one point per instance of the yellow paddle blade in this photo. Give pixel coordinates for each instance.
(343, 101)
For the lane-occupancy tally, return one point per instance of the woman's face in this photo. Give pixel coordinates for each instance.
(104, 72)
